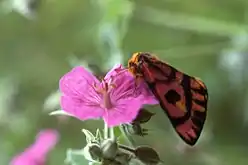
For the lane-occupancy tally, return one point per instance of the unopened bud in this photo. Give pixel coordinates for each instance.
(109, 148)
(147, 155)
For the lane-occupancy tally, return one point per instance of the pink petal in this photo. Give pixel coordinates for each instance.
(146, 94)
(126, 86)
(124, 112)
(80, 109)
(120, 76)
(79, 85)
(77, 81)
(114, 71)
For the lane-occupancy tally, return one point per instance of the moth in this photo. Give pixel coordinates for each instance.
(182, 97)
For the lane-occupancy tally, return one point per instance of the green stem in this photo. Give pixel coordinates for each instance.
(112, 133)
(105, 131)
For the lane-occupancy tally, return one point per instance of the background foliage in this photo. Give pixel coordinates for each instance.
(41, 40)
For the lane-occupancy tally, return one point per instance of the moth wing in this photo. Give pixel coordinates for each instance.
(183, 98)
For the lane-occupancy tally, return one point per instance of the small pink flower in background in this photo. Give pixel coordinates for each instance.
(36, 154)
(116, 98)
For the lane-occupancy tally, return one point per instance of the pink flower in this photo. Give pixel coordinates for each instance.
(116, 98)
(37, 152)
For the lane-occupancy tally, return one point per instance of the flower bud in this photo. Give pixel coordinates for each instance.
(147, 155)
(109, 148)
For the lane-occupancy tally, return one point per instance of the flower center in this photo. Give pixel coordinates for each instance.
(106, 97)
(104, 90)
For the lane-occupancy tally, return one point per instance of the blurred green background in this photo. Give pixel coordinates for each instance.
(40, 40)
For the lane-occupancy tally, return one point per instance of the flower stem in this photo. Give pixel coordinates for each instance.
(106, 134)
(112, 133)
(109, 133)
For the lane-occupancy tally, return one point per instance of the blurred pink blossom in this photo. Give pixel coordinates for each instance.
(36, 154)
(117, 99)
